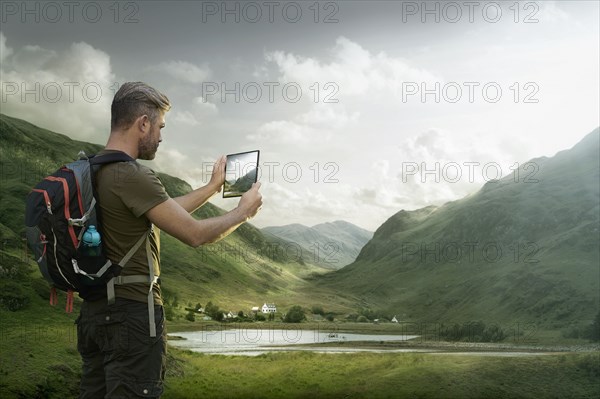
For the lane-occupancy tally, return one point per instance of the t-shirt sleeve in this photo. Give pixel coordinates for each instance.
(143, 190)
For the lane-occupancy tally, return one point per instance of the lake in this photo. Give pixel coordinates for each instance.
(253, 342)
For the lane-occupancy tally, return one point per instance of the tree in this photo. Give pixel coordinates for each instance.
(190, 316)
(213, 311)
(294, 315)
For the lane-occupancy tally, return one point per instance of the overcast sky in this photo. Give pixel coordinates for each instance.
(350, 102)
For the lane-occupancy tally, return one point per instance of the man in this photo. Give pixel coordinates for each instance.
(121, 358)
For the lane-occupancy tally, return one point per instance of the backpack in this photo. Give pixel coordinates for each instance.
(59, 210)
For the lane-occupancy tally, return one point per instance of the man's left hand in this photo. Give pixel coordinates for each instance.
(218, 174)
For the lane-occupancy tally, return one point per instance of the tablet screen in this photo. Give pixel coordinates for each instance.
(241, 171)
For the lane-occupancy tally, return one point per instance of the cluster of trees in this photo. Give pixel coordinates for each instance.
(294, 315)
(475, 331)
(366, 315)
(318, 309)
(213, 311)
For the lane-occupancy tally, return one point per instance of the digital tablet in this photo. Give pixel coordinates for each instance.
(241, 171)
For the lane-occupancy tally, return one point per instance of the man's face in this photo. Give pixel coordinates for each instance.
(148, 144)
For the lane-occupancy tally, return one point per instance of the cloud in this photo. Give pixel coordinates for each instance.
(363, 85)
(284, 132)
(203, 107)
(283, 202)
(68, 92)
(201, 111)
(549, 11)
(175, 163)
(319, 124)
(355, 70)
(185, 118)
(183, 71)
(5, 51)
(328, 116)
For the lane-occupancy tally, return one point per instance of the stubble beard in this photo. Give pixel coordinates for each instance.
(147, 149)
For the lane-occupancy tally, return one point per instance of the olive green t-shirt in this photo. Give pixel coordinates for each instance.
(126, 191)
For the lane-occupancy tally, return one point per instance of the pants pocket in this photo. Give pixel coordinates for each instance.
(112, 334)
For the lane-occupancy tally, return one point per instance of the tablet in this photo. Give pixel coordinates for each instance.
(241, 171)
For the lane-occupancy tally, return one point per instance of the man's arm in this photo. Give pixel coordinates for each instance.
(175, 220)
(195, 199)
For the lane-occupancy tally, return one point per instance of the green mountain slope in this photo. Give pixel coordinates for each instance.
(522, 249)
(332, 245)
(244, 270)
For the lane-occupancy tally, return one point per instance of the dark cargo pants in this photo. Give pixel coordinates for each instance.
(120, 359)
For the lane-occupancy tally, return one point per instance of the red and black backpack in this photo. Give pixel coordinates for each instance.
(59, 210)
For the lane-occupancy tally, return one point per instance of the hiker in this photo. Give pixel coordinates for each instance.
(121, 357)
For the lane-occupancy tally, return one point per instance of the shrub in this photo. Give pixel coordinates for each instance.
(362, 319)
(475, 331)
(294, 315)
(190, 316)
(213, 311)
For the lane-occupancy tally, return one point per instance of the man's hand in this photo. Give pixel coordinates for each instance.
(217, 179)
(251, 202)
(172, 218)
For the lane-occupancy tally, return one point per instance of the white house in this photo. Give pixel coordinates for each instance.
(394, 320)
(269, 308)
(229, 315)
(255, 309)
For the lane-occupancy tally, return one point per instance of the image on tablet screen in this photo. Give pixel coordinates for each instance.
(241, 171)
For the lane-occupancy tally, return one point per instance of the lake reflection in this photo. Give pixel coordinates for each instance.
(252, 342)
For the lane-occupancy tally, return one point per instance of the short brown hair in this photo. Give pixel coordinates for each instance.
(134, 99)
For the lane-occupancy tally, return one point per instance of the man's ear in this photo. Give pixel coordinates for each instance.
(143, 123)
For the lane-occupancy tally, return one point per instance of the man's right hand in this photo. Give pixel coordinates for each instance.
(251, 202)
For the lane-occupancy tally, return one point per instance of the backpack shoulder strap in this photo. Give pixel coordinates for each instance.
(150, 279)
(110, 158)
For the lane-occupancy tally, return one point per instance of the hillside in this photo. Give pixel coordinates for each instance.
(244, 270)
(331, 245)
(524, 249)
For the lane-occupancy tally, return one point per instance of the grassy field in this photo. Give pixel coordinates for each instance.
(369, 375)
(39, 359)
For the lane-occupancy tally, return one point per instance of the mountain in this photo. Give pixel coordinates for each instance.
(331, 245)
(242, 184)
(524, 249)
(244, 270)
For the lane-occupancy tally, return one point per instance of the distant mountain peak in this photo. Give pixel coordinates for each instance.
(333, 244)
(525, 247)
